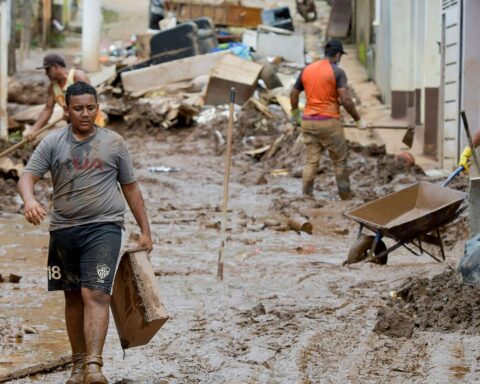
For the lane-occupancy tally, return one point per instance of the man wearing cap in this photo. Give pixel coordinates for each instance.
(324, 83)
(60, 79)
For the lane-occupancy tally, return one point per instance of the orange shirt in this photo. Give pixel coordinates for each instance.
(320, 81)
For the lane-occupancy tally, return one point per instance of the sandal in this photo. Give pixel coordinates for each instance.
(76, 377)
(93, 370)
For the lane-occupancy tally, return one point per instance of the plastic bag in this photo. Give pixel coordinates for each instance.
(469, 265)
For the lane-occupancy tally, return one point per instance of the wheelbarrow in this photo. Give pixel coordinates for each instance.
(411, 217)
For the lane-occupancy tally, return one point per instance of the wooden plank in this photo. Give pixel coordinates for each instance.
(170, 72)
(340, 16)
(35, 369)
(46, 23)
(284, 102)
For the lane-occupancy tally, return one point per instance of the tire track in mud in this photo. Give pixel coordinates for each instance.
(352, 353)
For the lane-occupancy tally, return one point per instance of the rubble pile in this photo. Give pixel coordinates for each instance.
(441, 303)
(28, 88)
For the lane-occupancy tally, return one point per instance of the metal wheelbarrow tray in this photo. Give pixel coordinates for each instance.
(407, 216)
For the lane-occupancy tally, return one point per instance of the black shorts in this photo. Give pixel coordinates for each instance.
(84, 256)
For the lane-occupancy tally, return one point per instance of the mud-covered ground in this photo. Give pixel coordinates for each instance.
(287, 310)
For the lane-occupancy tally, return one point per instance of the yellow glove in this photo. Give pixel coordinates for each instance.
(465, 158)
(296, 116)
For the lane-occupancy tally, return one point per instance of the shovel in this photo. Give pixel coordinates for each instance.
(474, 188)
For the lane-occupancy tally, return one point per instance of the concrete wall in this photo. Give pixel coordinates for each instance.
(364, 11)
(407, 63)
(382, 37)
(470, 95)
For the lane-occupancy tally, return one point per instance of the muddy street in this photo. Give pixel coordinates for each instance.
(287, 310)
(291, 309)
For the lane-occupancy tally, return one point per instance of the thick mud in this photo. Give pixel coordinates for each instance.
(441, 303)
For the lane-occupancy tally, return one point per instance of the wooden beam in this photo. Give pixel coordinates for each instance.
(46, 23)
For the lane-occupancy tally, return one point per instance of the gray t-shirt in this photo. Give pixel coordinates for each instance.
(85, 176)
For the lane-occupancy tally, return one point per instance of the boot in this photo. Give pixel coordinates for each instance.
(345, 195)
(308, 188)
(93, 370)
(76, 377)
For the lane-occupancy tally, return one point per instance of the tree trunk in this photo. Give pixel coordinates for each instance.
(12, 44)
(27, 15)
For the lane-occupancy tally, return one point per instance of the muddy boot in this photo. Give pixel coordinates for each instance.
(345, 195)
(308, 188)
(343, 184)
(93, 370)
(76, 377)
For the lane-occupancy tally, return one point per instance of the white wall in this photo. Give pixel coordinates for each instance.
(400, 21)
(470, 99)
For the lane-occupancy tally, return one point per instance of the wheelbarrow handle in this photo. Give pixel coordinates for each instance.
(453, 175)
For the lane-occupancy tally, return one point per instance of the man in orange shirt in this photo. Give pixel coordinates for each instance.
(324, 83)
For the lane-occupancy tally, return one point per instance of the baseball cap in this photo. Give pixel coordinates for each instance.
(334, 46)
(52, 59)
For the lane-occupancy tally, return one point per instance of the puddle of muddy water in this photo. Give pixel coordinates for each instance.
(24, 253)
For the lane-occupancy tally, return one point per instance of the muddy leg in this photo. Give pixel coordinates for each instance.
(313, 154)
(96, 304)
(74, 321)
(338, 151)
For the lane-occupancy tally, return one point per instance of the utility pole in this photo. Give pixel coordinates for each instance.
(91, 28)
(4, 39)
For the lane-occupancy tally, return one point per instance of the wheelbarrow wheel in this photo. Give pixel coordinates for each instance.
(359, 251)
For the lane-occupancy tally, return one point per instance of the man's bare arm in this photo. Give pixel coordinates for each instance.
(134, 198)
(34, 212)
(294, 96)
(81, 76)
(348, 103)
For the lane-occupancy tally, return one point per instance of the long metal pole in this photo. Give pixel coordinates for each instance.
(226, 178)
(91, 28)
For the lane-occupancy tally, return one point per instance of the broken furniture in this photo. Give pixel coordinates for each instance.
(278, 17)
(231, 72)
(152, 77)
(225, 14)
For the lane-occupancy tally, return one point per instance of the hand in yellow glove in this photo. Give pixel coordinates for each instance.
(296, 117)
(465, 159)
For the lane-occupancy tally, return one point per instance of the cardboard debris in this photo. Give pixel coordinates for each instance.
(137, 306)
(232, 71)
(170, 72)
(162, 112)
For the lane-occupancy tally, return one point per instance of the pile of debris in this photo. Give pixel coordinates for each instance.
(442, 303)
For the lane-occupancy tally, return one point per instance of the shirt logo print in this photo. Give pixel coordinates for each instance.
(102, 272)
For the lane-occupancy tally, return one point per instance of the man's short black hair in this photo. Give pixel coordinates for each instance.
(80, 88)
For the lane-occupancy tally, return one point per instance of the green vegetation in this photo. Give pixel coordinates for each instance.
(109, 16)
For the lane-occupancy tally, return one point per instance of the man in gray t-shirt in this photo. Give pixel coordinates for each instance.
(85, 176)
(90, 169)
